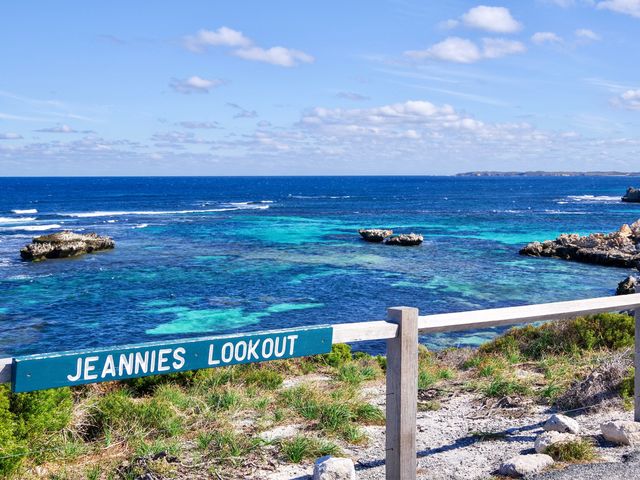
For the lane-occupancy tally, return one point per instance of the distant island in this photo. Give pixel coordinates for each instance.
(547, 174)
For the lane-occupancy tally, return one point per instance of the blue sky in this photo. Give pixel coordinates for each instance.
(291, 88)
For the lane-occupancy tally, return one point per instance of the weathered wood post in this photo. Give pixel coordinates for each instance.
(402, 395)
(636, 364)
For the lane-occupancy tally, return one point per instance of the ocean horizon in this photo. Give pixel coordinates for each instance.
(214, 255)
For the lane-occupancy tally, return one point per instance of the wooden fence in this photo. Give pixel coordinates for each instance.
(401, 330)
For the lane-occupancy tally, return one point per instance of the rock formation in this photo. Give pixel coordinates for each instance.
(374, 235)
(627, 286)
(632, 195)
(617, 249)
(405, 240)
(64, 244)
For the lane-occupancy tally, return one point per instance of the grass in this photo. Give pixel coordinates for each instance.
(502, 387)
(576, 451)
(302, 447)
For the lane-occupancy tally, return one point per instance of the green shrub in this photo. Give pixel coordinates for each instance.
(38, 413)
(602, 331)
(340, 354)
(116, 412)
(10, 447)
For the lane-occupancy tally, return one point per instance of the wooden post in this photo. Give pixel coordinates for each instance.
(402, 395)
(636, 364)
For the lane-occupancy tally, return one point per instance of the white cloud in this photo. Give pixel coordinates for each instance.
(461, 50)
(491, 19)
(58, 129)
(629, 99)
(10, 136)
(545, 37)
(500, 47)
(628, 7)
(281, 56)
(453, 49)
(245, 48)
(586, 34)
(195, 84)
(224, 36)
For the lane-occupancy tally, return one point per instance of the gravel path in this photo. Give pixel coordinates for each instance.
(461, 442)
(628, 469)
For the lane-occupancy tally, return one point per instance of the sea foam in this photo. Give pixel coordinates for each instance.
(26, 211)
(592, 198)
(158, 212)
(5, 220)
(32, 228)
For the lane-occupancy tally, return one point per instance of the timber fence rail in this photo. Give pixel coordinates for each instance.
(401, 330)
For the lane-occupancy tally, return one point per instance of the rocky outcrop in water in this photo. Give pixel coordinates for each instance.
(632, 195)
(617, 249)
(627, 286)
(405, 240)
(64, 244)
(374, 235)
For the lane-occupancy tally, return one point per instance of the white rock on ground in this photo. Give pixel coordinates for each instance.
(334, 468)
(621, 432)
(546, 439)
(522, 465)
(562, 424)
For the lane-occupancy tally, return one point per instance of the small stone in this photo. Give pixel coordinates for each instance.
(522, 465)
(562, 424)
(546, 439)
(333, 468)
(622, 432)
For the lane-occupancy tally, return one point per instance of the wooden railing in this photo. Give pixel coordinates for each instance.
(401, 330)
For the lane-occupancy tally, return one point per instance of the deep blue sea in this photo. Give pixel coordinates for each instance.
(213, 255)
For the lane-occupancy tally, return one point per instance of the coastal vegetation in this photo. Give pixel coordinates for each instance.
(234, 420)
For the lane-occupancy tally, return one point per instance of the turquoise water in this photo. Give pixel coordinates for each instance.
(199, 256)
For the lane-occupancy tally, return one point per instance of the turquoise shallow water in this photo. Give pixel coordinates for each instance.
(201, 256)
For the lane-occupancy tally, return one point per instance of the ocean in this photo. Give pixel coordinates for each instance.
(214, 255)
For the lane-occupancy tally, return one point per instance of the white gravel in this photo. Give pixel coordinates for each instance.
(448, 448)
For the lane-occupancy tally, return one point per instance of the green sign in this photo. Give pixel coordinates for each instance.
(52, 370)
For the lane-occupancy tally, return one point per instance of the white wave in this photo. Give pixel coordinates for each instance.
(593, 198)
(248, 205)
(564, 212)
(23, 212)
(32, 228)
(4, 220)
(141, 212)
(142, 225)
(111, 221)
